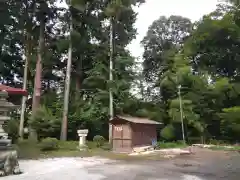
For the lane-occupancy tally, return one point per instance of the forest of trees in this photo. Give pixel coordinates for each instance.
(202, 57)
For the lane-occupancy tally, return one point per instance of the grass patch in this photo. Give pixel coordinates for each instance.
(64, 153)
(32, 150)
(167, 145)
(68, 145)
(225, 148)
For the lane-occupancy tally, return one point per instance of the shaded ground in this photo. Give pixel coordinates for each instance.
(204, 165)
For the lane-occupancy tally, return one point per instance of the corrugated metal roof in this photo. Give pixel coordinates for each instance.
(137, 120)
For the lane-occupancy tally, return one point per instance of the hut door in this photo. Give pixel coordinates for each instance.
(121, 137)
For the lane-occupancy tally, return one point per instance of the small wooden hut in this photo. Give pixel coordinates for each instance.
(129, 132)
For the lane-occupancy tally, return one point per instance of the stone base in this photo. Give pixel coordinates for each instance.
(83, 147)
(9, 163)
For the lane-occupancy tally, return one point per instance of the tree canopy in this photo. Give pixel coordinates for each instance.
(200, 57)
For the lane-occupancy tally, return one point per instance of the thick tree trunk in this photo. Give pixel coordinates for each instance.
(63, 136)
(37, 80)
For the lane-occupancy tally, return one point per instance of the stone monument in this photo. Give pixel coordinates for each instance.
(82, 138)
(8, 156)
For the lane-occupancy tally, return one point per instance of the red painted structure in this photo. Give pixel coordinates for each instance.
(11, 90)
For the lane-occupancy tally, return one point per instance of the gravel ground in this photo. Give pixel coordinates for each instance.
(204, 165)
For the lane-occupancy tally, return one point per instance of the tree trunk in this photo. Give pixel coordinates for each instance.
(78, 83)
(37, 80)
(78, 77)
(111, 113)
(63, 136)
(24, 98)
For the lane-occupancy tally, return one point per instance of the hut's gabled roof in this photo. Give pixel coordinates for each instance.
(136, 120)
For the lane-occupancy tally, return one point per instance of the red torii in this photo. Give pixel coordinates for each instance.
(11, 90)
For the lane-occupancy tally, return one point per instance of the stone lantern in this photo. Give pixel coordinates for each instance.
(8, 156)
(82, 134)
(5, 106)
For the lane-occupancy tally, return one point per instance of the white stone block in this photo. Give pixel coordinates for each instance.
(82, 137)
(82, 131)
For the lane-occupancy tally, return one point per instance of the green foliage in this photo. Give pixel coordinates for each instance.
(99, 140)
(205, 64)
(164, 37)
(231, 120)
(11, 127)
(168, 132)
(49, 144)
(88, 106)
(202, 57)
(44, 122)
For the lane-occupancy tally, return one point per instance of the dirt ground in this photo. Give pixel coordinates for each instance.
(203, 165)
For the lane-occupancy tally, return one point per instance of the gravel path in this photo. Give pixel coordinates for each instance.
(206, 165)
(59, 169)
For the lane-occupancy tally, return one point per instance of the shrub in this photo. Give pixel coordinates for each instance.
(45, 122)
(99, 140)
(11, 127)
(168, 132)
(49, 144)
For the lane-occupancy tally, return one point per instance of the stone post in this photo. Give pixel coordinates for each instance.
(82, 134)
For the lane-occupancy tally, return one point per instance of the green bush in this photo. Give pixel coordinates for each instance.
(45, 122)
(49, 144)
(11, 127)
(168, 132)
(99, 140)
